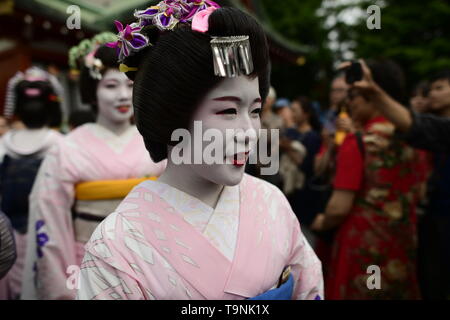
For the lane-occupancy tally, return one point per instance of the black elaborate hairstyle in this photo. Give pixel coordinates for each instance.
(390, 77)
(176, 73)
(88, 85)
(37, 104)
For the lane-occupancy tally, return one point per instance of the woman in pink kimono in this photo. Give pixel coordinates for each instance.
(83, 179)
(204, 230)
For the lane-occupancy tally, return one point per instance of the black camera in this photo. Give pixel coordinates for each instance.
(353, 73)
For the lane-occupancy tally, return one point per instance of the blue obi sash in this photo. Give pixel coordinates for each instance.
(283, 292)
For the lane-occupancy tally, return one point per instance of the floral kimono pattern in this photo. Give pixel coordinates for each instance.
(380, 230)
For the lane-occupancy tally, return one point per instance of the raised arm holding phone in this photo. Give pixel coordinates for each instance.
(371, 209)
(422, 131)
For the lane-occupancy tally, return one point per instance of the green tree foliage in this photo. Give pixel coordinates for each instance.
(414, 33)
(297, 21)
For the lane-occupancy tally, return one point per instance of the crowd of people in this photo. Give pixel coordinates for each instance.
(369, 194)
(359, 208)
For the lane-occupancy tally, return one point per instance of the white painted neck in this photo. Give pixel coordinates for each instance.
(117, 128)
(183, 178)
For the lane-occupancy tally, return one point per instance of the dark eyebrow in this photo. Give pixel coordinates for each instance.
(110, 79)
(228, 98)
(234, 99)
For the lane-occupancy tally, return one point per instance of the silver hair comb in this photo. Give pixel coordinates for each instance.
(232, 56)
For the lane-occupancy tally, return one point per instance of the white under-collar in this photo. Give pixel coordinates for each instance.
(25, 142)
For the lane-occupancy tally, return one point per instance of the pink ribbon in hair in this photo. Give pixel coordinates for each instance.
(200, 19)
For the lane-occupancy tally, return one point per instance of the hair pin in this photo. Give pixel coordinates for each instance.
(124, 68)
(232, 56)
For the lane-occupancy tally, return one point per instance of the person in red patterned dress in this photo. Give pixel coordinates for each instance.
(376, 189)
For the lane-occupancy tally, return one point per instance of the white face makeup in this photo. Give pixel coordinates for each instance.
(234, 104)
(114, 97)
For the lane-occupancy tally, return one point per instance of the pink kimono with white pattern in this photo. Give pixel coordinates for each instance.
(161, 243)
(89, 153)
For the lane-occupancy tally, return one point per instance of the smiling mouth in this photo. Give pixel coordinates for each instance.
(123, 108)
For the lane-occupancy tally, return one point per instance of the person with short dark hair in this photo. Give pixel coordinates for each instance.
(307, 132)
(423, 131)
(435, 240)
(429, 132)
(419, 101)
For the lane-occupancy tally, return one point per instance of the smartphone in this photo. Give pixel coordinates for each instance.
(353, 73)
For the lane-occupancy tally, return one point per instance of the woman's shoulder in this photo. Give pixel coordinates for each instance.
(81, 131)
(73, 136)
(269, 190)
(130, 209)
(107, 235)
(256, 182)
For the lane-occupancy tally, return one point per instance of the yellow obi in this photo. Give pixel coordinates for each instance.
(97, 199)
(106, 189)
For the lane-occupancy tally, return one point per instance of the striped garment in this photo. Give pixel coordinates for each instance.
(7, 245)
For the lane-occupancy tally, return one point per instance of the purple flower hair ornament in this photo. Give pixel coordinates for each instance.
(168, 13)
(129, 40)
(165, 16)
(146, 16)
(167, 19)
(197, 6)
